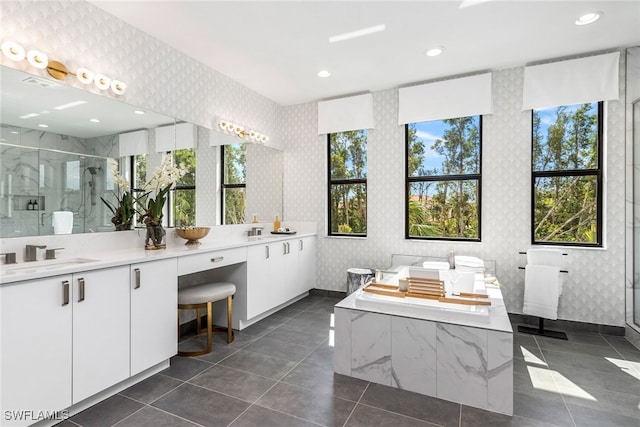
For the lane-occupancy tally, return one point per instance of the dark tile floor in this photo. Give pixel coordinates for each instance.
(279, 372)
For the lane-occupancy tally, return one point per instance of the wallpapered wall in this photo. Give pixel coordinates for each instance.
(594, 287)
(165, 80)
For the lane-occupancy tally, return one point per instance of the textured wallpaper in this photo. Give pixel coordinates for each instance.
(169, 82)
(594, 287)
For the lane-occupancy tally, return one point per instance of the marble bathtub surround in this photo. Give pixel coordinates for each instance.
(464, 360)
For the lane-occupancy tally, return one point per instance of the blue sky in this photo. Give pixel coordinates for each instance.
(428, 132)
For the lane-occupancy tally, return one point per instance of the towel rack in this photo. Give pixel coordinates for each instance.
(561, 271)
(524, 253)
(540, 330)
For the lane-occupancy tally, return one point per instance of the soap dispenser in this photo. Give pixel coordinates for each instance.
(276, 223)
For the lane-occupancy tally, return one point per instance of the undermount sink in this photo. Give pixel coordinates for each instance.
(47, 264)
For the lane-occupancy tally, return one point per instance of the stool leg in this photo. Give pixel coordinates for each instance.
(229, 326)
(209, 326)
(198, 325)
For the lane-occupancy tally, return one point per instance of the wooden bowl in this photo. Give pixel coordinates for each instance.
(192, 234)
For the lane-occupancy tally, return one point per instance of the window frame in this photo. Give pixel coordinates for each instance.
(224, 186)
(435, 178)
(598, 173)
(331, 183)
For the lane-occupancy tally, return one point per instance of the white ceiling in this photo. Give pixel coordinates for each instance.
(276, 48)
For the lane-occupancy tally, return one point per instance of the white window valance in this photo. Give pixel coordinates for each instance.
(180, 136)
(340, 115)
(574, 81)
(133, 143)
(462, 97)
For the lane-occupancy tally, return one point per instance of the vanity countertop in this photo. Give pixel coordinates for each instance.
(97, 259)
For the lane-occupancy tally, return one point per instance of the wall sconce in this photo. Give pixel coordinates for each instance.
(241, 132)
(58, 70)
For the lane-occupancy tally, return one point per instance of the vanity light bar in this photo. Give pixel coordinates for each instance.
(241, 132)
(58, 70)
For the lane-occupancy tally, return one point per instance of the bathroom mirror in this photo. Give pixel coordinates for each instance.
(64, 166)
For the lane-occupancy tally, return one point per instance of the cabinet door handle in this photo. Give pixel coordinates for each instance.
(301, 245)
(65, 292)
(284, 248)
(81, 289)
(267, 248)
(217, 259)
(137, 270)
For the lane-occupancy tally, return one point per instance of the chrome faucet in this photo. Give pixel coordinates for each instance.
(31, 251)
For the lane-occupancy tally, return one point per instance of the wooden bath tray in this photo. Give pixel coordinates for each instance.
(392, 291)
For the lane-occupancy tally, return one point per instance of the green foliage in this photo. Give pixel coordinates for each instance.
(235, 157)
(445, 208)
(348, 200)
(566, 208)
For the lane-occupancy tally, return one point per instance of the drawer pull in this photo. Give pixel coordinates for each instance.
(65, 292)
(217, 259)
(81, 289)
(301, 245)
(267, 248)
(137, 271)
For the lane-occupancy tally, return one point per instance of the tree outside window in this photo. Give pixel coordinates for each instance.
(443, 179)
(567, 175)
(234, 179)
(348, 183)
(183, 197)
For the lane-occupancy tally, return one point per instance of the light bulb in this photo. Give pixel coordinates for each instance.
(102, 81)
(85, 75)
(13, 51)
(37, 59)
(118, 87)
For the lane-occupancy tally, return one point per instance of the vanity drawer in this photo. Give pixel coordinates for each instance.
(208, 260)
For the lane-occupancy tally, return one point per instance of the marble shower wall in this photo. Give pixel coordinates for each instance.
(594, 290)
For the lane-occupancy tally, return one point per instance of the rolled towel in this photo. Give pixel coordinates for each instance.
(62, 222)
(436, 265)
(469, 264)
(541, 291)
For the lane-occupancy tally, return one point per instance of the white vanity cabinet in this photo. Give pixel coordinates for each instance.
(100, 300)
(154, 302)
(35, 358)
(64, 338)
(277, 272)
(306, 279)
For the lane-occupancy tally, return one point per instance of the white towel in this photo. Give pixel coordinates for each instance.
(542, 256)
(541, 291)
(436, 265)
(469, 264)
(539, 256)
(62, 222)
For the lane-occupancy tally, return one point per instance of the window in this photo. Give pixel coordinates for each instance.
(567, 175)
(234, 185)
(443, 179)
(182, 199)
(348, 183)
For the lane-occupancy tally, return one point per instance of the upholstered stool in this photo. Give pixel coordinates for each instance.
(203, 296)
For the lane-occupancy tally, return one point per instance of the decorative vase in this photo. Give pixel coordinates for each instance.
(155, 238)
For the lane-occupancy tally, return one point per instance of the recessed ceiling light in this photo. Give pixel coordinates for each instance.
(357, 33)
(138, 112)
(42, 125)
(589, 18)
(94, 120)
(30, 115)
(435, 51)
(69, 105)
(15, 132)
(323, 73)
